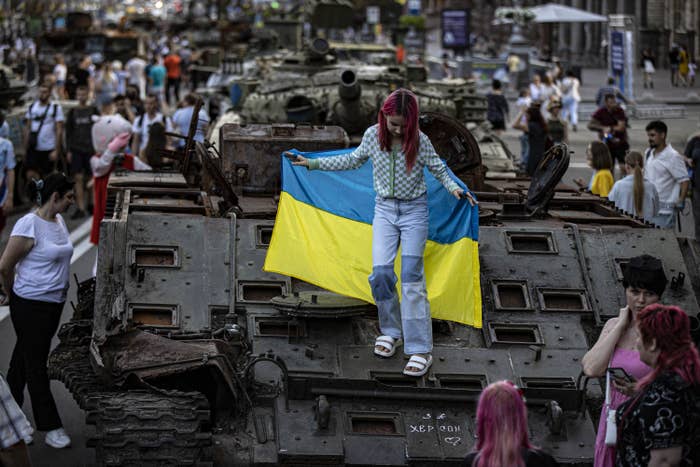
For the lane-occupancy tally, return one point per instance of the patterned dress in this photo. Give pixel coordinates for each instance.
(665, 415)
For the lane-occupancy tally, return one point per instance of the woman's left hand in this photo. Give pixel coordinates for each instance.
(625, 387)
(460, 193)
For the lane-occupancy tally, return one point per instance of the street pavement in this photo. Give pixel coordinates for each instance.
(74, 418)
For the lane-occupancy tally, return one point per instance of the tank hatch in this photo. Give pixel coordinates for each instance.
(547, 176)
(320, 304)
(454, 143)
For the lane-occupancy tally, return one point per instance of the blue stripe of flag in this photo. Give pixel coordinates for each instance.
(350, 194)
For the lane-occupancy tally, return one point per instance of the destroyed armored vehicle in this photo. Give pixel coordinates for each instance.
(351, 97)
(192, 354)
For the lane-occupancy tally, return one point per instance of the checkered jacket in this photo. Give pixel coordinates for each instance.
(391, 179)
(13, 424)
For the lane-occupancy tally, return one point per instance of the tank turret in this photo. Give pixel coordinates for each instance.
(352, 110)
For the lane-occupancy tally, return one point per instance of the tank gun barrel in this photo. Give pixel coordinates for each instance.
(349, 88)
(349, 111)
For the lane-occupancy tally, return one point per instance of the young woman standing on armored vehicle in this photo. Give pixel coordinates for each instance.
(399, 152)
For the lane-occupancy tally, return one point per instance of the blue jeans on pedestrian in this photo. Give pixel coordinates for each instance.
(666, 220)
(570, 110)
(405, 222)
(524, 149)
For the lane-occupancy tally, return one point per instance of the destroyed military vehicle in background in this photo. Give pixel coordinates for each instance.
(324, 85)
(79, 37)
(184, 352)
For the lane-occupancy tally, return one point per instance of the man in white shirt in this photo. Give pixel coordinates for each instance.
(666, 169)
(143, 122)
(43, 133)
(135, 67)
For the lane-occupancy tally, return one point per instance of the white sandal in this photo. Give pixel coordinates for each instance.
(388, 343)
(416, 361)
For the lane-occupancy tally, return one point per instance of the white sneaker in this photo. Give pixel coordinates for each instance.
(57, 438)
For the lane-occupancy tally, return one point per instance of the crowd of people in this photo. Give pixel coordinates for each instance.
(547, 110)
(140, 91)
(652, 183)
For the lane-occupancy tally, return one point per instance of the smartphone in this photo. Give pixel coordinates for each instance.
(621, 375)
(290, 155)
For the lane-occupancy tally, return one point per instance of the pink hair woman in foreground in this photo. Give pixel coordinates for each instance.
(501, 430)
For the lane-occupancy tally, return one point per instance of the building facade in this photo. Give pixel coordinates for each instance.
(659, 23)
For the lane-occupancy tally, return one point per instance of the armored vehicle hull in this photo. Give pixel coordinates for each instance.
(193, 355)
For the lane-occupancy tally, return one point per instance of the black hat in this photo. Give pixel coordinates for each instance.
(645, 272)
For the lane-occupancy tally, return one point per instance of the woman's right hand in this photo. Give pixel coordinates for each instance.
(296, 159)
(625, 316)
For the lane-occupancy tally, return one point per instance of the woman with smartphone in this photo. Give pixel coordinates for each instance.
(644, 282)
(660, 424)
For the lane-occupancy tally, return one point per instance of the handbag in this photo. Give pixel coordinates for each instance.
(611, 425)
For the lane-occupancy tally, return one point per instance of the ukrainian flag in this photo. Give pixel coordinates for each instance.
(323, 235)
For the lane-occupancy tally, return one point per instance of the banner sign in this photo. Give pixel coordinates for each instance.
(617, 52)
(455, 29)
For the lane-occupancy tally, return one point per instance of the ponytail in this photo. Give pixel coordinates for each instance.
(34, 189)
(40, 190)
(635, 161)
(638, 191)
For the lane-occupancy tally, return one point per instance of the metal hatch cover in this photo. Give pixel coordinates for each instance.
(456, 145)
(320, 304)
(547, 176)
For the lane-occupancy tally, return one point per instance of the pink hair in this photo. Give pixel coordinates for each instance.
(404, 103)
(670, 327)
(501, 426)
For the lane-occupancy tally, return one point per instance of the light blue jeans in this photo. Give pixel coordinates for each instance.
(569, 111)
(405, 222)
(665, 221)
(524, 149)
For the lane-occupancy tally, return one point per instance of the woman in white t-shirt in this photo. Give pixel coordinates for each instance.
(34, 269)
